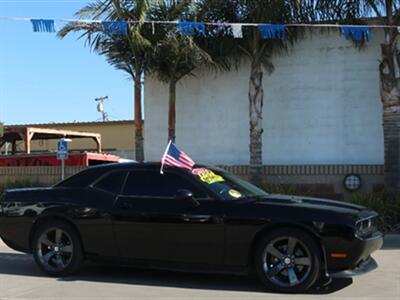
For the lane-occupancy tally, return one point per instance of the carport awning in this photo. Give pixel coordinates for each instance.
(28, 134)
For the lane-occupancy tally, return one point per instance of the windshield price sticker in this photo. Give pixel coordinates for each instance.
(234, 193)
(207, 176)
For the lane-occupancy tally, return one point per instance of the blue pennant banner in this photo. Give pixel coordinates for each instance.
(192, 28)
(42, 25)
(358, 34)
(272, 31)
(115, 27)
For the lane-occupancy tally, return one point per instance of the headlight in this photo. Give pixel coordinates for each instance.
(364, 227)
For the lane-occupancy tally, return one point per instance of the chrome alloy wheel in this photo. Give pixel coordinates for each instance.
(286, 261)
(54, 249)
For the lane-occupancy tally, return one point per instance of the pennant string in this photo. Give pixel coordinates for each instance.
(358, 34)
(42, 25)
(10, 18)
(192, 28)
(272, 31)
(237, 31)
(267, 31)
(115, 27)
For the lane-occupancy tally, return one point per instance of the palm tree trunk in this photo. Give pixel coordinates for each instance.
(139, 147)
(390, 97)
(256, 98)
(391, 129)
(171, 111)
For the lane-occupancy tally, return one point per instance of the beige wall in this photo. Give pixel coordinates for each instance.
(318, 180)
(117, 137)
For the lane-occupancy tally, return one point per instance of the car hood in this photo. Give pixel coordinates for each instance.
(316, 203)
(26, 189)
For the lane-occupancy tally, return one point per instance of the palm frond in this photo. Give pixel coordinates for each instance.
(95, 10)
(126, 53)
(174, 56)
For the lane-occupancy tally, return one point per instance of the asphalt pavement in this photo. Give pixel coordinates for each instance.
(21, 279)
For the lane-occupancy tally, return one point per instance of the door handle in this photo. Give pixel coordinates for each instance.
(196, 219)
(124, 205)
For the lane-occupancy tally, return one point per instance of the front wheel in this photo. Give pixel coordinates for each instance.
(288, 260)
(57, 249)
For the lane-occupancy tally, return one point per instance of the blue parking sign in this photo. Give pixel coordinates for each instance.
(62, 155)
(62, 146)
(62, 149)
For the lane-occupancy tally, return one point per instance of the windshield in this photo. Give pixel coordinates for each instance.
(229, 186)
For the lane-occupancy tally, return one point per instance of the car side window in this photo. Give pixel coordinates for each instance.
(154, 184)
(112, 182)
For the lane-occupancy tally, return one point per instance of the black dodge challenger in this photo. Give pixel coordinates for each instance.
(204, 220)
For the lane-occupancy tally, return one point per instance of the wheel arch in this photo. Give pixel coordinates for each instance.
(298, 226)
(52, 217)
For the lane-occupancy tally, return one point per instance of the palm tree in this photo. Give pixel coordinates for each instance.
(389, 71)
(127, 53)
(253, 49)
(175, 56)
(259, 52)
(388, 13)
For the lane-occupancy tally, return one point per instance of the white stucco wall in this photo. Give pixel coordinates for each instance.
(321, 106)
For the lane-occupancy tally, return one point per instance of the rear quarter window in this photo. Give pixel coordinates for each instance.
(83, 178)
(112, 182)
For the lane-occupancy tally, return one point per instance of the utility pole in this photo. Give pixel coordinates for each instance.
(100, 107)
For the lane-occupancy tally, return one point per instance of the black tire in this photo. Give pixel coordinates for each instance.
(61, 254)
(280, 275)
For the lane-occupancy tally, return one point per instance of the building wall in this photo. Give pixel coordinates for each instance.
(321, 107)
(117, 137)
(317, 180)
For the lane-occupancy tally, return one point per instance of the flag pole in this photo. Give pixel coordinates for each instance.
(162, 159)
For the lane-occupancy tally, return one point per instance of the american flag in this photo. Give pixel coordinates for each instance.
(176, 158)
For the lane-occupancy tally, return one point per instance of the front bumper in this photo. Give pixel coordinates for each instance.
(358, 260)
(364, 267)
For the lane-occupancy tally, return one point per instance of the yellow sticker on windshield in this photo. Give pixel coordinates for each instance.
(207, 176)
(235, 193)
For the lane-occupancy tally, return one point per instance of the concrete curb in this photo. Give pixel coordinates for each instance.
(391, 241)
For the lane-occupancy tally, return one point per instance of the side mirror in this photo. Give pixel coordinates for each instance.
(186, 195)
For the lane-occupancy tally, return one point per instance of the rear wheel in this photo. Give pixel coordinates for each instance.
(288, 260)
(57, 249)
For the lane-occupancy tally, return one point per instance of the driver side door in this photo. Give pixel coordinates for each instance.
(152, 224)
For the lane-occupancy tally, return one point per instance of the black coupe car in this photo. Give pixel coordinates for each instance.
(205, 220)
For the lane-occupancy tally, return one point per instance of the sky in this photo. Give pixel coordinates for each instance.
(45, 79)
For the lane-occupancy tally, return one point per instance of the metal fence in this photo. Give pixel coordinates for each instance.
(39, 174)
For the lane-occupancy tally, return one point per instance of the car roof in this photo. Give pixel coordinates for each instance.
(89, 175)
(137, 165)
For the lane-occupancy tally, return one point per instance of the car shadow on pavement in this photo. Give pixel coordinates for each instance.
(21, 264)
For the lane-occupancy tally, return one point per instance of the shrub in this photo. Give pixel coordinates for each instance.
(285, 189)
(389, 211)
